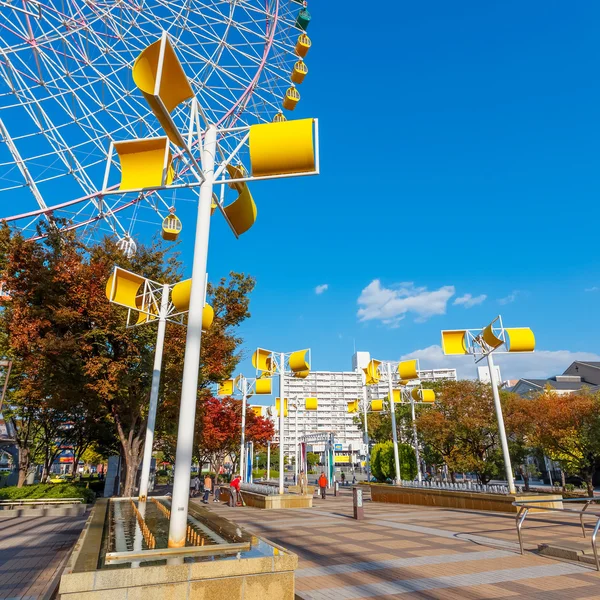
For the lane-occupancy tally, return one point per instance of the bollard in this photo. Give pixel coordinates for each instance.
(336, 488)
(357, 502)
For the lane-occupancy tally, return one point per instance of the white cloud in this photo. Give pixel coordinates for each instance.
(510, 298)
(594, 288)
(321, 288)
(390, 305)
(468, 301)
(535, 365)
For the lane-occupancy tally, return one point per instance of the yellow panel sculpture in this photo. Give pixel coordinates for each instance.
(490, 338)
(372, 372)
(262, 386)
(454, 342)
(145, 163)
(180, 295)
(278, 407)
(520, 339)
(242, 211)
(397, 396)
(125, 289)
(420, 395)
(282, 148)
(225, 388)
(174, 85)
(407, 369)
(257, 410)
(376, 405)
(299, 361)
(208, 316)
(353, 406)
(311, 404)
(261, 360)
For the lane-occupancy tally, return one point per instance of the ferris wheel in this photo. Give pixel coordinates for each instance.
(67, 94)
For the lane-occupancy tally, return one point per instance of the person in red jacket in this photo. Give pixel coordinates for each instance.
(234, 490)
(323, 485)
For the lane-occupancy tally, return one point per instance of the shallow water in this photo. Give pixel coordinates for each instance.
(122, 533)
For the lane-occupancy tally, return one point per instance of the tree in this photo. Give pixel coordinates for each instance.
(462, 428)
(383, 462)
(567, 428)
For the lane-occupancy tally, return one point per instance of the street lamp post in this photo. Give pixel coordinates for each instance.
(481, 343)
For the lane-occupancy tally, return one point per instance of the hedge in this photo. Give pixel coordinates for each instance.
(47, 490)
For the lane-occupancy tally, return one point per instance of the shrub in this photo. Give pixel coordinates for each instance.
(383, 463)
(47, 490)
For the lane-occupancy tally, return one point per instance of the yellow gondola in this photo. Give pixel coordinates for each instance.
(171, 227)
(299, 72)
(292, 97)
(303, 45)
(279, 118)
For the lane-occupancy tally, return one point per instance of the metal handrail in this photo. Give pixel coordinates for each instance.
(25, 501)
(524, 508)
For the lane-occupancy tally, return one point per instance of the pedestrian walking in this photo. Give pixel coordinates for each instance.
(217, 491)
(323, 485)
(343, 478)
(196, 482)
(234, 489)
(207, 488)
(303, 482)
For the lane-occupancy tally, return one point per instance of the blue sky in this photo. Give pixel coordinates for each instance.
(459, 147)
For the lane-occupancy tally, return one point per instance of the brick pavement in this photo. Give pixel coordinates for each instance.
(415, 552)
(32, 553)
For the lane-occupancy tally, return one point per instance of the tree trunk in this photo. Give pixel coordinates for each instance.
(562, 480)
(590, 485)
(24, 461)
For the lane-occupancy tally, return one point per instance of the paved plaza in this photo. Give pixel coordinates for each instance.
(33, 551)
(421, 553)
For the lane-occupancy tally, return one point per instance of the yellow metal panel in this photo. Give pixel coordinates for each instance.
(180, 295)
(353, 406)
(299, 362)
(208, 316)
(376, 405)
(301, 374)
(372, 372)
(311, 404)
(261, 360)
(143, 163)
(281, 148)
(278, 407)
(126, 289)
(226, 388)
(257, 410)
(174, 89)
(427, 396)
(453, 341)
(342, 459)
(521, 339)
(237, 172)
(490, 338)
(397, 396)
(407, 369)
(262, 386)
(242, 211)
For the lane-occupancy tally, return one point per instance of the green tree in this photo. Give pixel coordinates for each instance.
(383, 465)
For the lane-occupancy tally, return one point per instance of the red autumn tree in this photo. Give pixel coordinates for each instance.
(219, 429)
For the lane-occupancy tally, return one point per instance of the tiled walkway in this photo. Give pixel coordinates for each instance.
(32, 551)
(410, 552)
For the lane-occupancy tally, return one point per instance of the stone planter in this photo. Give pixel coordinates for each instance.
(274, 502)
(458, 499)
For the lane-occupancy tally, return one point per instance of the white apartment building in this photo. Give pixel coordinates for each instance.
(333, 390)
